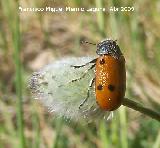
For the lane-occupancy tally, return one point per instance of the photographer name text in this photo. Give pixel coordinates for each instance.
(75, 9)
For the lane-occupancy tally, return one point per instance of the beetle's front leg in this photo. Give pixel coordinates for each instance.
(90, 62)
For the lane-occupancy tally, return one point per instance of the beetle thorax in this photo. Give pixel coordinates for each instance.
(108, 47)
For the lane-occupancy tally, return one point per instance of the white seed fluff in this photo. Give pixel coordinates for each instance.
(53, 87)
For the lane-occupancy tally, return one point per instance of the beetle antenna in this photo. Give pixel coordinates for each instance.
(82, 42)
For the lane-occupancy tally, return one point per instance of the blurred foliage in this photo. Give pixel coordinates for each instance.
(48, 36)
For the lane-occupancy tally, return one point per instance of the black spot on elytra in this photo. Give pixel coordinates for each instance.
(111, 87)
(99, 87)
(102, 61)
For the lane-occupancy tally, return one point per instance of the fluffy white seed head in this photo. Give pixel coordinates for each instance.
(51, 85)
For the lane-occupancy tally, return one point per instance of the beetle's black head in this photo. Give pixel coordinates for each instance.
(108, 47)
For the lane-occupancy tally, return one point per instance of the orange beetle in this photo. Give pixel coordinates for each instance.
(110, 75)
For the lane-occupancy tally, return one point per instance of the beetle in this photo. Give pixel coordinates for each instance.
(110, 75)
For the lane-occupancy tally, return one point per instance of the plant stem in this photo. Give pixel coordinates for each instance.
(123, 125)
(138, 107)
(18, 75)
(100, 17)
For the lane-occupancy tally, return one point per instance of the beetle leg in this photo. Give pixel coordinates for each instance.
(90, 86)
(79, 66)
(77, 79)
(74, 80)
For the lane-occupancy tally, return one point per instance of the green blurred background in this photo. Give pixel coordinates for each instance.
(29, 42)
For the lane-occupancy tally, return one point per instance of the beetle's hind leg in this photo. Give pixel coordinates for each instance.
(90, 62)
(88, 91)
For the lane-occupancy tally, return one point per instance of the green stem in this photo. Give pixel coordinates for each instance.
(10, 8)
(123, 125)
(16, 44)
(138, 107)
(100, 17)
